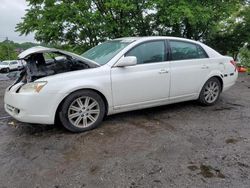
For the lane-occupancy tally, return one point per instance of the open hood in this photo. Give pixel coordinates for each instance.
(40, 49)
(41, 62)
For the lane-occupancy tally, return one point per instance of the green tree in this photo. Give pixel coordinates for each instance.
(7, 51)
(194, 19)
(245, 57)
(78, 24)
(85, 23)
(233, 33)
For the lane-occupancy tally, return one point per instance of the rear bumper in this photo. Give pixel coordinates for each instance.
(230, 80)
(31, 107)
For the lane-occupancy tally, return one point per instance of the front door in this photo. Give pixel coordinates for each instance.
(146, 82)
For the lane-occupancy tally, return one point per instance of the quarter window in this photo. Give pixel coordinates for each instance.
(149, 52)
(185, 50)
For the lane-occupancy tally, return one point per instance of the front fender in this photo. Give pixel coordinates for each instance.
(68, 87)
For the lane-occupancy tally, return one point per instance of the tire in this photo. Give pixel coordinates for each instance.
(210, 92)
(82, 111)
(7, 70)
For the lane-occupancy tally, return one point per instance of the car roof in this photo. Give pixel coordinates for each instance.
(145, 38)
(8, 61)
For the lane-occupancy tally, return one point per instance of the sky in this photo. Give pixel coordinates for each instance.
(11, 12)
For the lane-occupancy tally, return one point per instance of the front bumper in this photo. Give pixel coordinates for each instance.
(37, 108)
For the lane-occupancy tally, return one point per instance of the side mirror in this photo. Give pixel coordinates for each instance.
(127, 61)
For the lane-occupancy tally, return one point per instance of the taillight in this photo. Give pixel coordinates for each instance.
(234, 64)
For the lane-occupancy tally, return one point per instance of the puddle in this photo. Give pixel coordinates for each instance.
(193, 168)
(36, 130)
(3, 77)
(207, 171)
(243, 165)
(235, 104)
(231, 141)
(152, 124)
(224, 108)
(94, 169)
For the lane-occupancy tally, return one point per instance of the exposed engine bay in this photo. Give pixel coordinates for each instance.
(38, 65)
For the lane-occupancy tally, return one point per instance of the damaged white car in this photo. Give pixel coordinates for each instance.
(116, 76)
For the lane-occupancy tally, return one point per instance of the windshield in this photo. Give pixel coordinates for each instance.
(104, 52)
(4, 63)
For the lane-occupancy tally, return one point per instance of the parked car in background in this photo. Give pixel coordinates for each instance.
(10, 65)
(116, 76)
(4, 67)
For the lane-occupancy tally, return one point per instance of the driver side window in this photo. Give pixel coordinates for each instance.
(149, 52)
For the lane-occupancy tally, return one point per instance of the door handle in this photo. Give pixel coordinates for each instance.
(163, 71)
(205, 67)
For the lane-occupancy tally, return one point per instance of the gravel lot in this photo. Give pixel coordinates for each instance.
(180, 145)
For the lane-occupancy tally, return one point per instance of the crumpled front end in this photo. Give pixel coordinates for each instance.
(25, 99)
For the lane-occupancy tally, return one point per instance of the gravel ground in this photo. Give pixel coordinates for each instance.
(180, 145)
(3, 77)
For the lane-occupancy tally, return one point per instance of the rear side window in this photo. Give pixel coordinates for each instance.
(149, 52)
(185, 50)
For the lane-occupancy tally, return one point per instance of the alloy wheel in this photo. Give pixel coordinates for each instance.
(83, 112)
(211, 92)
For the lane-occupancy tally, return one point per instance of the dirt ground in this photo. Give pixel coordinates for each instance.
(180, 145)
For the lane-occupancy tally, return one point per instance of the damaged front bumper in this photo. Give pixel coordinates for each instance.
(30, 107)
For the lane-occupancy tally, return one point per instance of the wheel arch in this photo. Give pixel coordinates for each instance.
(56, 118)
(220, 79)
(218, 76)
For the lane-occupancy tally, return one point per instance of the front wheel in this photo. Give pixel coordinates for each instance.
(82, 111)
(210, 92)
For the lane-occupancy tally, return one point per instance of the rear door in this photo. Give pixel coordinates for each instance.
(189, 68)
(146, 82)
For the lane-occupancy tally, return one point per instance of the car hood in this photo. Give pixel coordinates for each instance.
(40, 49)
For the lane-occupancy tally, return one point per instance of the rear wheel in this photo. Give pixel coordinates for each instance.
(82, 111)
(7, 70)
(210, 92)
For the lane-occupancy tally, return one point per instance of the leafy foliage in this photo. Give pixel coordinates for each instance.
(192, 19)
(9, 50)
(81, 24)
(233, 33)
(245, 57)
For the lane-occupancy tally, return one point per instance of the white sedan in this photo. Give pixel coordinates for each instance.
(116, 76)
